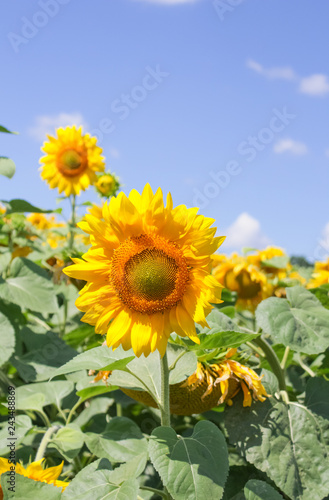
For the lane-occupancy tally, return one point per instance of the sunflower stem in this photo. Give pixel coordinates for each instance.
(273, 361)
(161, 493)
(165, 403)
(75, 407)
(44, 442)
(73, 221)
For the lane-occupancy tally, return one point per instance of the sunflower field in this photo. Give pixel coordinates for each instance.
(138, 362)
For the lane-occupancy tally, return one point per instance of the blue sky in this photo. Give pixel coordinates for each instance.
(225, 104)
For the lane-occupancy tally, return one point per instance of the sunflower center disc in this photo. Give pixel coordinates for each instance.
(242, 283)
(151, 274)
(71, 159)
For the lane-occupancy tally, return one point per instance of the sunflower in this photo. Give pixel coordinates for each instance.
(71, 161)
(261, 258)
(238, 275)
(320, 275)
(209, 386)
(107, 185)
(36, 472)
(147, 271)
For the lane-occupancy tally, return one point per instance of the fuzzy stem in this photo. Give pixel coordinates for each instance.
(73, 222)
(44, 442)
(165, 403)
(273, 361)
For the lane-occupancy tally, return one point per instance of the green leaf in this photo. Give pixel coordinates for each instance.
(228, 311)
(99, 358)
(6, 130)
(7, 167)
(98, 406)
(91, 392)
(68, 441)
(279, 262)
(7, 338)
(77, 336)
(317, 396)
(183, 367)
(223, 333)
(28, 489)
(29, 287)
(299, 321)
(95, 481)
(259, 490)
(121, 440)
(284, 441)
(322, 294)
(36, 396)
(46, 353)
(22, 206)
(192, 467)
(131, 469)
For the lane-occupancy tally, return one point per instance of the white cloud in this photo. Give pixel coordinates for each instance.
(245, 232)
(317, 85)
(280, 73)
(314, 85)
(47, 125)
(294, 147)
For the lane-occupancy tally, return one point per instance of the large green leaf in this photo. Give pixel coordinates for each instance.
(99, 358)
(317, 396)
(36, 396)
(29, 287)
(28, 489)
(7, 167)
(193, 467)
(121, 440)
(22, 206)
(96, 406)
(94, 390)
(68, 441)
(300, 321)
(133, 468)
(259, 490)
(322, 294)
(46, 352)
(95, 482)
(284, 441)
(222, 333)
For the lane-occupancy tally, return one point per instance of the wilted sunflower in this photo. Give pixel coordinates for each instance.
(36, 472)
(209, 386)
(320, 275)
(147, 271)
(236, 274)
(72, 160)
